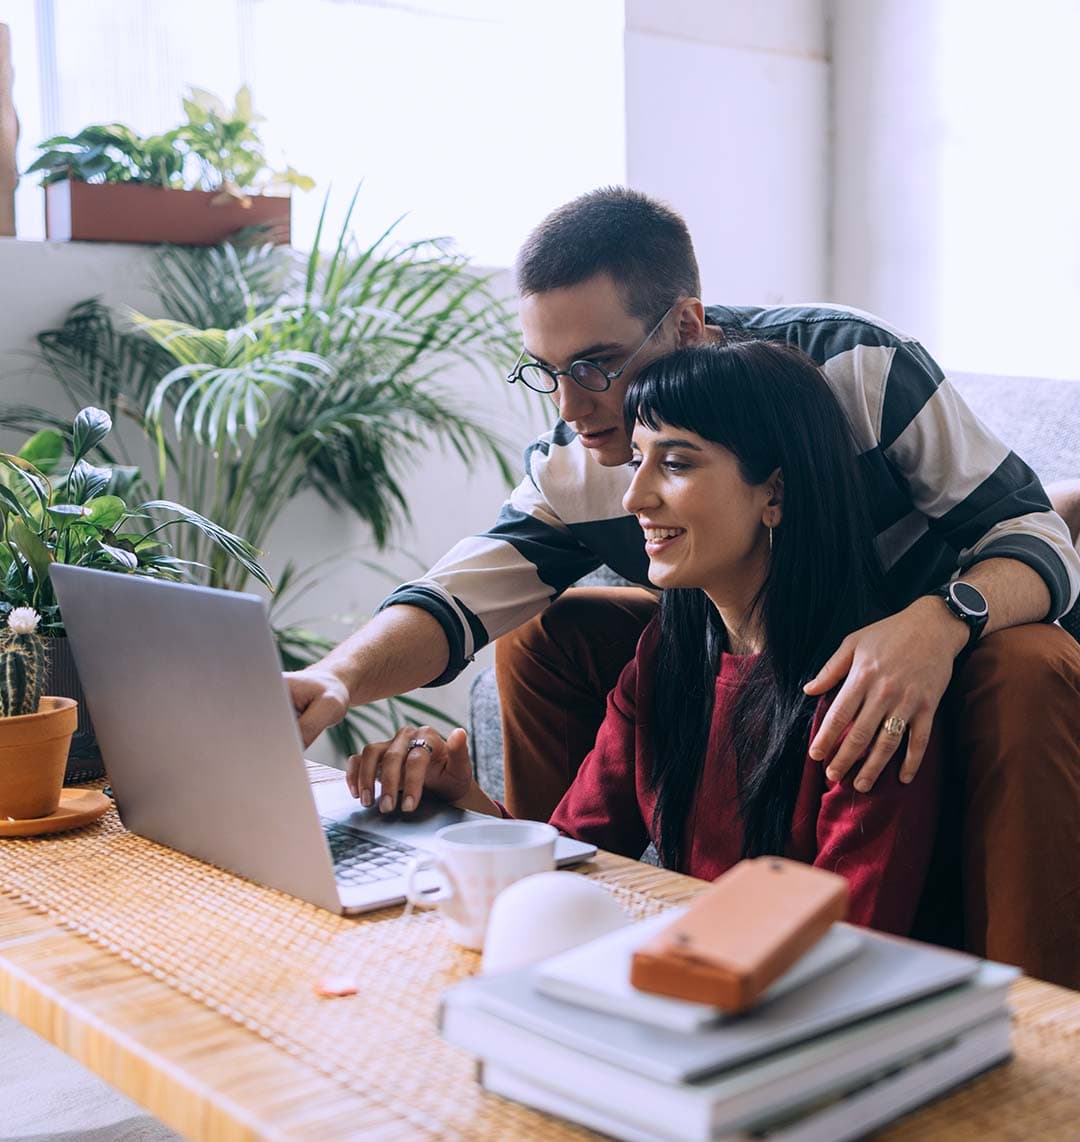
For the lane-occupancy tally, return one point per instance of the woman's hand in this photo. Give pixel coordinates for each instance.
(403, 767)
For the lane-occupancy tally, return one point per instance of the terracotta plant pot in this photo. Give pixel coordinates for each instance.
(132, 212)
(33, 753)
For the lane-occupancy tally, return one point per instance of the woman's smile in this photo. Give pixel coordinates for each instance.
(659, 539)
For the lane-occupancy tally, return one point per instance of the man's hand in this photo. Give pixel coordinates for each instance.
(401, 648)
(405, 768)
(899, 667)
(320, 700)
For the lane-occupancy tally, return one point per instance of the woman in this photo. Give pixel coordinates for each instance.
(747, 489)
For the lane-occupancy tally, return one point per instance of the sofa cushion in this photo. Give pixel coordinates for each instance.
(1039, 418)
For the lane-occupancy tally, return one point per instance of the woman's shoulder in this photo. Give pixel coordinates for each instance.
(636, 680)
(648, 646)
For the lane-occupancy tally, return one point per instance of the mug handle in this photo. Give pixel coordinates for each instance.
(417, 897)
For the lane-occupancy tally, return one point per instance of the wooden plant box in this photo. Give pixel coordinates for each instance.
(152, 215)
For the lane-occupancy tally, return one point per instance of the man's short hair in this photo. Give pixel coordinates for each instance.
(643, 245)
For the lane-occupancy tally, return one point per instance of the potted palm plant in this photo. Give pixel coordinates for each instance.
(35, 730)
(56, 505)
(275, 376)
(193, 185)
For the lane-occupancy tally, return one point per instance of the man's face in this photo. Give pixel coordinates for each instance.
(589, 322)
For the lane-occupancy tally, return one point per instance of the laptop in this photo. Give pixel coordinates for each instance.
(198, 734)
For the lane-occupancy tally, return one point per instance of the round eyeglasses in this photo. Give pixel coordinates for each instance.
(588, 374)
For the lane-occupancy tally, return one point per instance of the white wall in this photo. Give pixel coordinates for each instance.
(957, 176)
(470, 117)
(727, 120)
(41, 280)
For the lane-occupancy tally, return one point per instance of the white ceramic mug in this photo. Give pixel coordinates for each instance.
(475, 861)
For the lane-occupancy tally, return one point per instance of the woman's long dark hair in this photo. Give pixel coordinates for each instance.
(768, 404)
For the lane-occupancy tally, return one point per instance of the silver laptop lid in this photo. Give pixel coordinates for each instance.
(195, 725)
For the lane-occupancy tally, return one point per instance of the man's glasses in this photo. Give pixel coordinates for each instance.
(588, 374)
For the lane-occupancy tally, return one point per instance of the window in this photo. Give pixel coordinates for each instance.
(471, 117)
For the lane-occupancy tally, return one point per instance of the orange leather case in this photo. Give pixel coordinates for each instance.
(742, 933)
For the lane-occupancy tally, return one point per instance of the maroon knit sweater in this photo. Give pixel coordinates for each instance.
(879, 841)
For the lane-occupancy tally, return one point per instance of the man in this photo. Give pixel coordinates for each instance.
(610, 282)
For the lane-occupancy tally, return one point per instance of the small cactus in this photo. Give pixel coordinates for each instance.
(22, 664)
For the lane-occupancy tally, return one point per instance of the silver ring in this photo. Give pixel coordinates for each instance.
(419, 742)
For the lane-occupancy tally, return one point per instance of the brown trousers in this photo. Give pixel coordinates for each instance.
(1013, 712)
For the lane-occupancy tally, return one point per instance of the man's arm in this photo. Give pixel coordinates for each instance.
(400, 649)
(926, 637)
(428, 630)
(987, 504)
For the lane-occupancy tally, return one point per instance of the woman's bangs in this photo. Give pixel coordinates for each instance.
(672, 396)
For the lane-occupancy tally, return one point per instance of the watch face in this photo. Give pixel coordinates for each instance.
(969, 598)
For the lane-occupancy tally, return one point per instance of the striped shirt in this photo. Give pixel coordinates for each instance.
(944, 492)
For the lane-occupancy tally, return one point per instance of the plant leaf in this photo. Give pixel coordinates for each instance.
(30, 546)
(124, 479)
(239, 549)
(44, 450)
(31, 477)
(243, 108)
(90, 428)
(126, 559)
(105, 511)
(65, 514)
(11, 502)
(87, 481)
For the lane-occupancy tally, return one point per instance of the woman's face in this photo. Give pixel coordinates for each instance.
(704, 525)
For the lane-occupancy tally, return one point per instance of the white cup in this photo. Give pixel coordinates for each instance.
(475, 861)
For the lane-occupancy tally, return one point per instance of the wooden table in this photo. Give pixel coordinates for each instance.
(211, 1079)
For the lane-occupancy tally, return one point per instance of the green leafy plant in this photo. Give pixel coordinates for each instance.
(70, 510)
(111, 152)
(226, 145)
(272, 377)
(215, 148)
(333, 389)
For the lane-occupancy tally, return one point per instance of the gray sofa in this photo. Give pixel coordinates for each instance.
(1039, 418)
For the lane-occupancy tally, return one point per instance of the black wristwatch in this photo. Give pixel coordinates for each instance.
(969, 605)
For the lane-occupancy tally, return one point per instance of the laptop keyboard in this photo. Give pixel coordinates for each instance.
(363, 858)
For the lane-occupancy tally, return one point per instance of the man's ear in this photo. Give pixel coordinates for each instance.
(774, 508)
(690, 322)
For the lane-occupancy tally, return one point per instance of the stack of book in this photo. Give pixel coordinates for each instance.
(863, 1029)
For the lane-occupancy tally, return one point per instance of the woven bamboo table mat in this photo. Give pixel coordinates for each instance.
(251, 955)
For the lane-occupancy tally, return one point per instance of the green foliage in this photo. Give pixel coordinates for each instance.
(23, 662)
(216, 148)
(271, 377)
(222, 286)
(318, 375)
(227, 147)
(335, 386)
(111, 152)
(82, 518)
